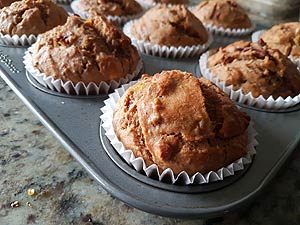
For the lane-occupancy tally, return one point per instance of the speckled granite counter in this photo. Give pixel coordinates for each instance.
(63, 193)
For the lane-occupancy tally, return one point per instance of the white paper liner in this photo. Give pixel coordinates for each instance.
(147, 4)
(236, 32)
(256, 35)
(168, 175)
(76, 89)
(166, 51)
(248, 99)
(119, 20)
(255, 38)
(16, 40)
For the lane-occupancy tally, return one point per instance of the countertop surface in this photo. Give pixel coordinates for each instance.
(41, 183)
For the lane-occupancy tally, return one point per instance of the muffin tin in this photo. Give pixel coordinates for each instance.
(75, 122)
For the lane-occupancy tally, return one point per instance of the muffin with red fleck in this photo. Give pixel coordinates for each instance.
(253, 70)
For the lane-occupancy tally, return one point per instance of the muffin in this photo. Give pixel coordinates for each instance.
(177, 121)
(113, 8)
(226, 14)
(4, 3)
(284, 37)
(85, 51)
(31, 17)
(118, 11)
(168, 32)
(170, 26)
(256, 69)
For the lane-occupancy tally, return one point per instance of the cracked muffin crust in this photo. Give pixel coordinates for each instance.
(222, 13)
(180, 122)
(31, 17)
(284, 37)
(85, 50)
(108, 7)
(255, 68)
(170, 26)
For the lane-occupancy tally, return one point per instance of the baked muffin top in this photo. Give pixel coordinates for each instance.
(4, 3)
(85, 50)
(284, 37)
(31, 17)
(222, 13)
(255, 68)
(110, 7)
(180, 122)
(170, 26)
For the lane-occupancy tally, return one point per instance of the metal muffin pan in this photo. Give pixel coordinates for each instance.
(75, 122)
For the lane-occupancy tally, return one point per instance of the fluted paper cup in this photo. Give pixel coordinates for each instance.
(166, 51)
(17, 40)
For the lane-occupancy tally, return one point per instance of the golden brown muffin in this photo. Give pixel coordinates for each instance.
(222, 13)
(255, 68)
(85, 50)
(170, 26)
(180, 122)
(31, 17)
(110, 7)
(4, 3)
(284, 37)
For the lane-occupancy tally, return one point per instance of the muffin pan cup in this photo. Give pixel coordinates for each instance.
(79, 88)
(256, 36)
(168, 175)
(242, 98)
(166, 51)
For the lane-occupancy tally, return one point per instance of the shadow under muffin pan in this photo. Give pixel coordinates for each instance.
(75, 122)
